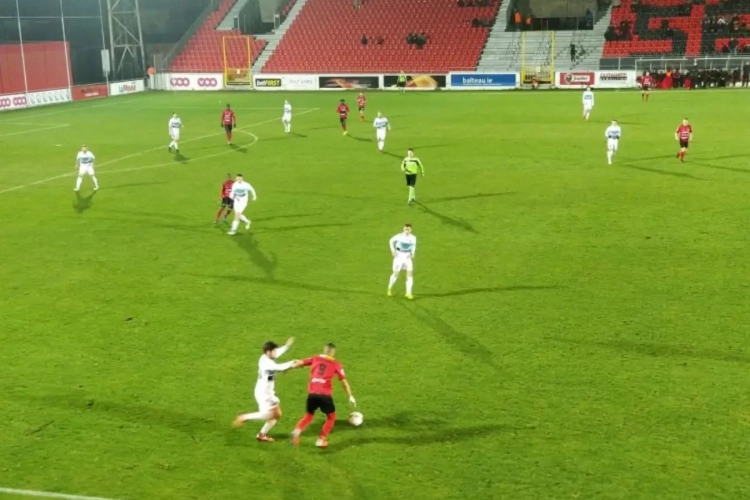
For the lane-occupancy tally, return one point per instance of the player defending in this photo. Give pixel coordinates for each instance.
(343, 111)
(175, 124)
(269, 405)
(381, 124)
(403, 248)
(85, 165)
(228, 122)
(588, 103)
(647, 81)
(320, 393)
(239, 194)
(411, 166)
(361, 103)
(683, 134)
(226, 199)
(286, 119)
(612, 134)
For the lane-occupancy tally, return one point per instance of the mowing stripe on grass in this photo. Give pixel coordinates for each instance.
(31, 131)
(48, 494)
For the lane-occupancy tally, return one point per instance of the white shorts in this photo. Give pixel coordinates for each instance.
(86, 170)
(175, 134)
(265, 402)
(588, 107)
(402, 262)
(240, 205)
(380, 134)
(612, 144)
(287, 117)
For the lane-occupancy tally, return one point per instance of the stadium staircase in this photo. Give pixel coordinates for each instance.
(227, 24)
(325, 37)
(203, 52)
(688, 38)
(290, 13)
(502, 51)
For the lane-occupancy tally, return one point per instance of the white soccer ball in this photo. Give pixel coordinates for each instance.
(356, 419)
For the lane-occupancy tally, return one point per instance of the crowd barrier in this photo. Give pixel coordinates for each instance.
(76, 93)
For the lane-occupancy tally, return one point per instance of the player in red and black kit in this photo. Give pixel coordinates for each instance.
(320, 393)
(683, 134)
(226, 200)
(228, 122)
(647, 81)
(361, 103)
(343, 111)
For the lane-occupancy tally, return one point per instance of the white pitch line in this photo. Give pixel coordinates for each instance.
(47, 494)
(68, 174)
(53, 127)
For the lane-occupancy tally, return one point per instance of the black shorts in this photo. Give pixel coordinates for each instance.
(411, 180)
(227, 203)
(228, 128)
(684, 144)
(400, 84)
(645, 88)
(320, 402)
(361, 108)
(342, 119)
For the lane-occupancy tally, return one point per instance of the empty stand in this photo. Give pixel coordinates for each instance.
(203, 53)
(326, 37)
(689, 35)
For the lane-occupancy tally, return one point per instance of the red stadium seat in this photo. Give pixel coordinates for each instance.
(325, 37)
(204, 51)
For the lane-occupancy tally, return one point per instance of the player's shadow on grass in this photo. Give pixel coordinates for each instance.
(394, 155)
(83, 203)
(459, 340)
(180, 158)
(720, 167)
(300, 227)
(136, 184)
(659, 350)
(470, 197)
(475, 291)
(447, 219)
(669, 173)
(238, 148)
(266, 263)
(270, 281)
(360, 139)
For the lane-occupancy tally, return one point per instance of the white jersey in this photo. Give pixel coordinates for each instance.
(85, 161)
(588, 99)
(613, 132)
(265, 387)
(175, 124)
(240, 191)
(287, 110)
(405, 244)
(380, 123)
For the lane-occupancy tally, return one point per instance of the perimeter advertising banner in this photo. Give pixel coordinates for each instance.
(596, 79)
(483, 81)
(83, 92)
(349, 82)
(417, 82)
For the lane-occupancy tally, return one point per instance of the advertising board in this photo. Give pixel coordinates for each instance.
(483, 81)
(125, 88)
(194, 81)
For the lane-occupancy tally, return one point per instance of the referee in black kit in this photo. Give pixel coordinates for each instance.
(411, 166)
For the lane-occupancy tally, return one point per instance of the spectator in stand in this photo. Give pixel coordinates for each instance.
(589, 19)
(364, 40)
(529, 23)
(517, 20)
(572, 53)
(733, 46)
(610, 34)
(745, 74)
(706, 23)
(725, 49)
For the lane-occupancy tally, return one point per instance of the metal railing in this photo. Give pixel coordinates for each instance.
(169, 56)
(674, 62)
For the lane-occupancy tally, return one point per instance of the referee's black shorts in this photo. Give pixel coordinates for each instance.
(320, 402)
(411, 180)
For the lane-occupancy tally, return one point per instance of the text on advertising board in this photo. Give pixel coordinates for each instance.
(268, 82)
(201, 82)
(577, 78)
(12, 102)
(619, 76)
(480, 80)
(127, 88)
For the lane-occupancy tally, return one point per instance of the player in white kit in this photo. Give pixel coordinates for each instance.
(286, 119)
(175, 124)
(269, 405)
(612, 134)
(240, 194)
(381, 125)
(403, 248)
(588, 103)
(85, 165)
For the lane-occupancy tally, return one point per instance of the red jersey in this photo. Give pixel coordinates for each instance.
(226, 188)
(361, 101)
(228, 118)
(323, 369)
(684, 132)
(647, 81)
(343, 110)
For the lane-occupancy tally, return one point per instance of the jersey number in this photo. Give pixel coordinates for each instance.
(321, 370)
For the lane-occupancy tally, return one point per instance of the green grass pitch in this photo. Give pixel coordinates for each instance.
(579, 330)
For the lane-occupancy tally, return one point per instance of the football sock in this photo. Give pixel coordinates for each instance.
(229, 136)
(253, 416)
(229, 212)
(409, 284)
(235, 224)
(244, 219)
(381, 145)
(304, 422)
(267, 428)
(412, 193)
(176, 146)
(392, 281)
(218, 214)
(79, 181)
(328, 426)
(96, 182)
(609, 156)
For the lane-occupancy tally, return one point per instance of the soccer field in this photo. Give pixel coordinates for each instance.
(579, 330)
